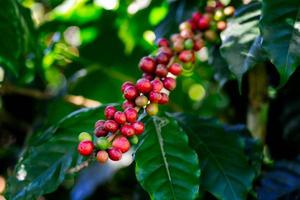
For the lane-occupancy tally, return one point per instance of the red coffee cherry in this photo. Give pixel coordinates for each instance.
(143, 85)
(102, 157)
(154, 97)
(120, 117)
(150, 77)
(161, 70)
(147, 65)
(127, 130)
(178, 46)
(175, 69)
(85, 148)
(198, 44)
(109, 112)
(128, 104)
(164, 99)
(130, 93)
(131, 114)
(157, 85)
(203, 23)
(100, 131)
(196, 16)
(125, 85)
(99, 123)
(141, 101)
(162, 58)
(138, 127)
(162, 42)
(169, 83)
(152, 109)
(193, 24)
(187, 56)
(121, 143)
(115, 154)
(111, 126)
(166, 50)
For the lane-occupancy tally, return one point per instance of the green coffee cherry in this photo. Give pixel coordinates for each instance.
(188, 44)
(134, 139)
(84, 136)
(102, 143)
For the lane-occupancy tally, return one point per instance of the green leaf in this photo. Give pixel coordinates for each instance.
(281, 35)
(166, 166)
(42, 168)
(241, 44)
(225, 169)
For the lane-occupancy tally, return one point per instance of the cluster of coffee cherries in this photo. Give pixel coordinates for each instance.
(115, 135)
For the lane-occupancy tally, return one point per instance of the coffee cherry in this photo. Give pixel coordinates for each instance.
(120, 117)
(185, 26)
(161, 70)
(162, 58)
(100, 131)
(125, 85)
(138, 127)
(84, 136)
(203, 23)
(196, 16)
(157, 85)
(176, 37)
(187, 56)
(219, 15)
(115, 154)
(127, 130)
(141, 101)
(85, 148)
(99, 123)
(175, 69)
(128, 104)
(102, 143)
(121, 143)
(149, 77)
(131, 114)
(154, 97)
(152, 109)
(166, 50)
(162, 42)
(111, 126)
(134, 139)
(109, 112)
(169, 83)
(188, 44)
(210, 35)
(164, 99)
(186, 34)
(102, 157)
(229, 11)
(221, 25)
(130, 93)
(193, 24)
(198, 44)
(178, 46)
(143, 85)
(147, 65)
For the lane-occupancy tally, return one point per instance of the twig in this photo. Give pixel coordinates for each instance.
(80, 167)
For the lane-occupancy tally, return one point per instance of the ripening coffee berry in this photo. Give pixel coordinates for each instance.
(162, 58)
(99, 123)
(154, 97)
(147, 65)
(203, 23)
(127, 130)
(121, 143)
(128, 104)
(102, 143)
(134, 139)
(169, 83)
(161, 70)
(111, 126)
(131, 114)
(186, 34)
(102, 157)
(141, 101)
(115, 154)
(228, 11)
(175, 69)
(162, 42)
(185, 26)
(100, 131)
(221, 25)
(152, 109)
(84, 136)
(143, 85)
(85, 148)
(109, 112)
(130, 93)
(176, 37)
(198, 44)
(166, 50)
(138, 127)
(125, 85)
(178, 46)
(210, 35)
(188, 44)
(187, 56)
(120, 117)
(164, 99)
(157, 85)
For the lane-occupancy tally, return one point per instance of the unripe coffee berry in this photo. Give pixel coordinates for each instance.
(188, 44)
(221, 25)
(164, 99)
(102, 157)
(102, 143)
(125, 85)
(143, 85)
(127, 130)
(228, 11)
(161, 70)
(154, 97)
(175, 69)
(185, 26)
(84, 136)
(138, 127)
(157, 85)
(85, 148)
(109, 112)
(130, 93)
(121, 143)
(115, 154)
(147, 64)
(131, 115)
(162, 42)
(141, 101)
(134, 140)
(169, 83)
(128, 104)
(100, 131)
(120, 117)
(211, 35)
(111, 126)
(152, 109)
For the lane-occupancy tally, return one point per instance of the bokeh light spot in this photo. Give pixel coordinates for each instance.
(149, 36)
(197, 92)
